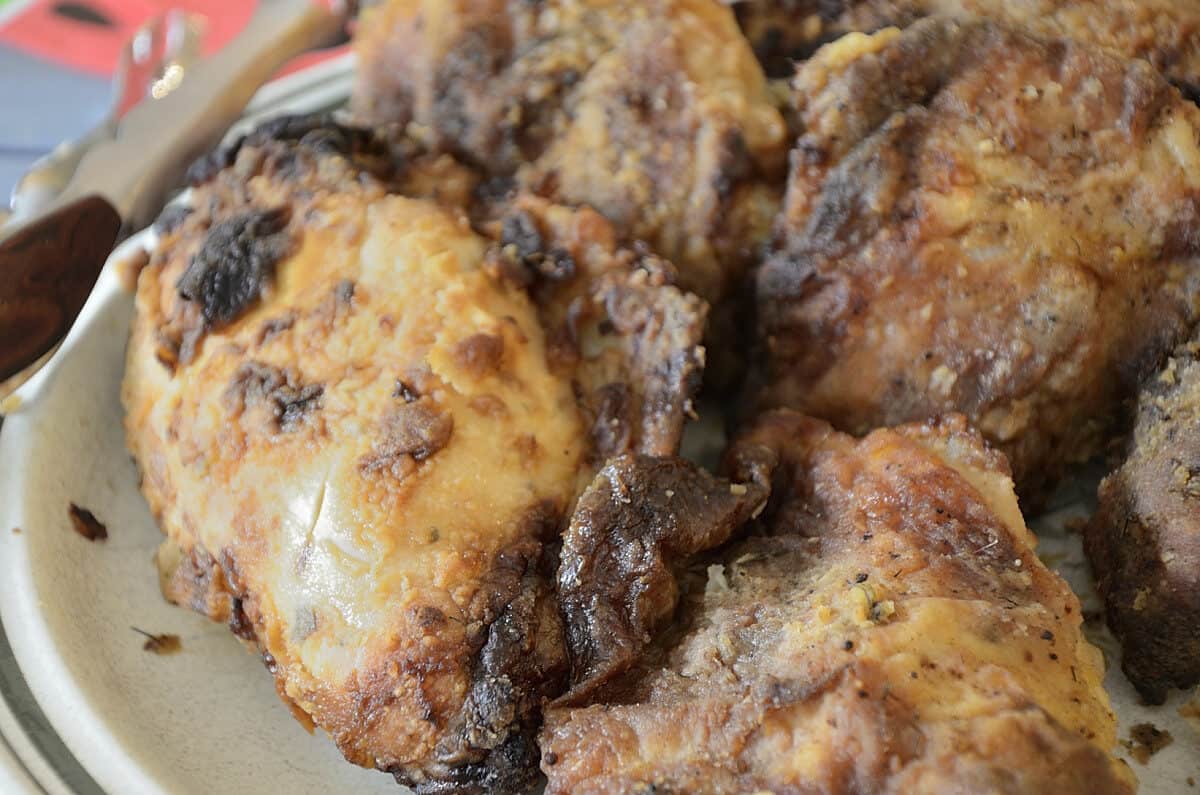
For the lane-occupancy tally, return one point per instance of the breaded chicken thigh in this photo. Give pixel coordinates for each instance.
(362, 435)
(1164, 32)
(885, 628)
(982, 221)
(654, 113)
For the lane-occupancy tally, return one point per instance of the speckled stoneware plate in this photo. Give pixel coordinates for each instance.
(84, 709)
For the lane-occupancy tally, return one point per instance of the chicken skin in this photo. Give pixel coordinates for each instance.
(361, 425)
(885, 628)
(654, 113)
(1164, 32)
(1144, 541)
(981, 221)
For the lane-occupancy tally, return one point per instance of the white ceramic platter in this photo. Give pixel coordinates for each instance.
(90, 712)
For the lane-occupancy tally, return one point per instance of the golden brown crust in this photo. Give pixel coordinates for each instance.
(654, 113)
(616, 324)
(888, 628)
(986, 222)
(1164, 32)
(363, 456)
(1144, 541)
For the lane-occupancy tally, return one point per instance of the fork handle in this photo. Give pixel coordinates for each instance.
(157, 140)
(51, 173)
(47, 270)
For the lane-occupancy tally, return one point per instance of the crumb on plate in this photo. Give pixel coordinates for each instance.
(87, 525)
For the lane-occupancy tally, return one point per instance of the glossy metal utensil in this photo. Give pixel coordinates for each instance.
(49, 262)
(151, 63)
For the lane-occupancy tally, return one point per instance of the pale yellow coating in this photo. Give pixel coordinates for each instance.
(342, 559)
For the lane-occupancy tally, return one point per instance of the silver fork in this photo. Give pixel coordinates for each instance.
(152, 63)
(49, 262)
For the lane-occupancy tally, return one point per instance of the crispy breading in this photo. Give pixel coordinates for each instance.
(1164, 32)
(982, 221)
(885, 628)
(362, 440)
(654, 113)
(617, 326)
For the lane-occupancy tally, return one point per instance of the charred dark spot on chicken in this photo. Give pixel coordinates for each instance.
(275, 326)
(659, 329)
(640, 520)
(406, 392)
(287, 399)
(613, 427)
(292, 142)
(519, 662)
(344, 292)
(615, 321)
(236, 264)
(522, 242)
(409, 434)
(171, 218)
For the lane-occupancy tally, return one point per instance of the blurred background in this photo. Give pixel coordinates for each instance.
(66, 65)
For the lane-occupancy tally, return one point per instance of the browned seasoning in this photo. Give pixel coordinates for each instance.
(1146, 740)
(87, 525)
(160, 644)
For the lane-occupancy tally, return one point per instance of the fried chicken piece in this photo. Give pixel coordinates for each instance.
(885, 628)
(362, 442)
(654, 113)
(981, 221)
(1144, 541)
(638, 520)
(1164, 32)
(616, 327)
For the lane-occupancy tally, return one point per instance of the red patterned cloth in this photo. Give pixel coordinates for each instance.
(87, 35)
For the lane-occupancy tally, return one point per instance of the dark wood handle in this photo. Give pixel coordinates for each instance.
(47, 270)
